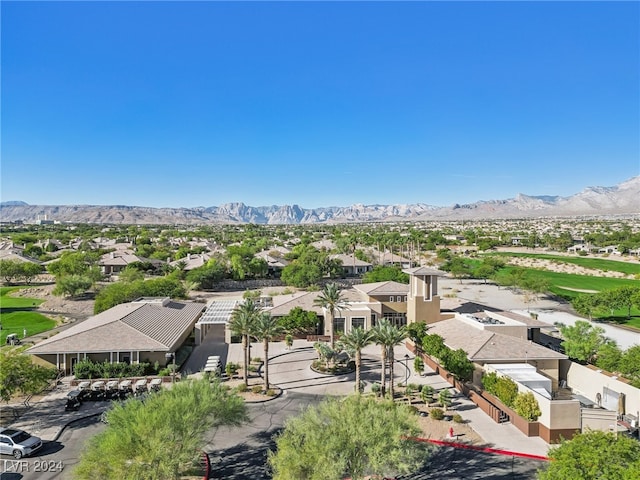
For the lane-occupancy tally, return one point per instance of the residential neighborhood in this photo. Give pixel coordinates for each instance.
(320, 240)
(501, 333)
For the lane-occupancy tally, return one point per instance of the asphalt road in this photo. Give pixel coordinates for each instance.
(56, 459)
(241, 453)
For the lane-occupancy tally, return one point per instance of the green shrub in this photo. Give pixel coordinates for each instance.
(426, 394)
(502, 387)
(271, 392)
(231, 369)
(527, 406)
(87, 369)
(375, 388)
(413, 409)
(256, 360)
(437, 414)
(256, 389)
(458, 418)
(242, 388)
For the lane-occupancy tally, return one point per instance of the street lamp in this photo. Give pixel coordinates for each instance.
(406, 366)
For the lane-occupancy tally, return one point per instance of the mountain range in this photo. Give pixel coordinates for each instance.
(621, 199)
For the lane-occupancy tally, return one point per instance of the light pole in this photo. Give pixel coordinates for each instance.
(406, 366)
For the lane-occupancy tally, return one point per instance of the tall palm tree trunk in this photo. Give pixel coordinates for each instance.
(331, 332)
(266, 364)
(391, 364)
(358, 367)
(245, 367)
(383, 373)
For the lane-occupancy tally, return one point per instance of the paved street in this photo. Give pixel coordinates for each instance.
(241, 453)
(57, 458)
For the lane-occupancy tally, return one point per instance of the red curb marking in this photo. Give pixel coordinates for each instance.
(480, 449)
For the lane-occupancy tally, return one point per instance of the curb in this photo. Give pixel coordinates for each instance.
(497, 451)
(282, 390)
(68, 424)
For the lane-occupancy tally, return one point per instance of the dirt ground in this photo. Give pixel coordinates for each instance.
(560, 267)
(54, 305)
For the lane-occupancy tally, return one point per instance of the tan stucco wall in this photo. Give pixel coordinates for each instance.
(550, 369)
(511, 330)
(590, 382)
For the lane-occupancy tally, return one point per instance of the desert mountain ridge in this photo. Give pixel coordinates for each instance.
(621, 199)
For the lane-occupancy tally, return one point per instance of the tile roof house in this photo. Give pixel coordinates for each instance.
(275, 264)
(369, 302)
(144, 330)
(353, 267)
(192, 261)
(114, 262)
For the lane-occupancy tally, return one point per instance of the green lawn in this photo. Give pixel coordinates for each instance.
(7, 301)
(558, 280)
(592, 263)
(17, 322)
(584, 282)
(16, 315)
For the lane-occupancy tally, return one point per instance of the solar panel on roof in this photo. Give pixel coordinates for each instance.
(219, 312)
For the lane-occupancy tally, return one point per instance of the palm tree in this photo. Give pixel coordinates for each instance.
(388, 336)
(242, 322)
(355, 341)
(331, 299)
(266, 328)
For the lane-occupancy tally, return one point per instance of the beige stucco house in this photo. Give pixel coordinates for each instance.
(145, 330)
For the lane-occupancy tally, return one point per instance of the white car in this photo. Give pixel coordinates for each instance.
(18, 443)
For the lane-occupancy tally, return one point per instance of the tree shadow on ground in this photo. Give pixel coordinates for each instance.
(455, 463)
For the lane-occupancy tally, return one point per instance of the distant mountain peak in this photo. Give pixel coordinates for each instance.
(621, 199)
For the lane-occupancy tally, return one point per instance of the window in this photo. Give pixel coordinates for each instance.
(357, 322)
(405, 298)
(397, 319)
(391, 298)
(373, 320)
(338, 325)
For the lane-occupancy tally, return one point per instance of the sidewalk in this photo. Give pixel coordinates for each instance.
(290, 370)
(47, 418)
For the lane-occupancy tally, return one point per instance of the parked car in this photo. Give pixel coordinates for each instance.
(18, 443)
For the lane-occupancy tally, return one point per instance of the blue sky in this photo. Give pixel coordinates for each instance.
(318, 104)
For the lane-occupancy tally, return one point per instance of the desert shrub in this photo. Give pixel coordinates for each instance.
(458, 418)
(437, 414)
(242, 388)
(256, 389)
(271, 392)
(413, 409)
(231, 369)
(375, 388)
(256, 360)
